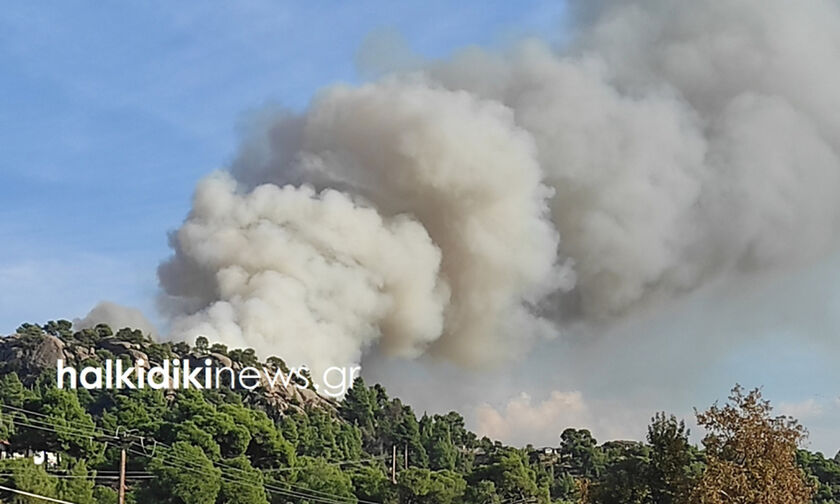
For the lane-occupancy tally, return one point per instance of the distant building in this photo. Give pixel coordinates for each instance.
(45, 458)
(546, 455)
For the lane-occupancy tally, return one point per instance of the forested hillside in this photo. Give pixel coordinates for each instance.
(289, 445)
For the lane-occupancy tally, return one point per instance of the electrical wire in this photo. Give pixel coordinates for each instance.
(324, 498)
(303, 489)
(272, 489)
(35, 496)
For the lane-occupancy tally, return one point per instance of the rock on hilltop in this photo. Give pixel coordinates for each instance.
(34, 350)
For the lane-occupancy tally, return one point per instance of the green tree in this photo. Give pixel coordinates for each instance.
(190, 432)
(138, 410)
(482, 493)
(437, 440)
(202, 346)
(78, 486)
(219, 348)
(12, 391)
(246, 357)
(581, 449)
(510, 474)
(130, 335)
(565, 488)
(624, 477)
(824, 474)
(673, 461)
(32, 478)
(316, 476)
(422, 486)
(276, 363)
(266, 447)
(173, 484)
(59, 328)
(190, 405)
(245, 485)
(371, 483)
(30, 333)
(104, 495)
(72, 428)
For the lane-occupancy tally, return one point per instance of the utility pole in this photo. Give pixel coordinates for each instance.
(122, 438)
(406, 457)
(122, 475)
(394, 464)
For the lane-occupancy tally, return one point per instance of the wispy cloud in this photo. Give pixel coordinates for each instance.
(807, 409)
(523, 420)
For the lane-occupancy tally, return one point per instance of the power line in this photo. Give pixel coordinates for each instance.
(30, 412)
(326, 499)
(84, 429)
(36, 496)
(222, 465)
(87, 435)
(84, 434)
(278, 469)
(47, 429)
(62, 471)
(270, 488)
(142, 438)
(90, 476)
(36, 424)
(337, 464)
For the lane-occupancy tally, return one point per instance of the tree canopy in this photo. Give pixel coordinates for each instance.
(234, 446)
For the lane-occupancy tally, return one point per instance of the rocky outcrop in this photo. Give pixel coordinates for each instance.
(222, 360)
(30, 355)
(117, 347)
(48, 352)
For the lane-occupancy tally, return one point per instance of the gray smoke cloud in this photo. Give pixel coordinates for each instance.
(117, 317)
(468, 207)
(438, 235)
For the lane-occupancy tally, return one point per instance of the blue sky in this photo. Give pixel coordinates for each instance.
(111, 112)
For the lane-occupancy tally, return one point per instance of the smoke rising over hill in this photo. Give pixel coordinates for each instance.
(464, 208)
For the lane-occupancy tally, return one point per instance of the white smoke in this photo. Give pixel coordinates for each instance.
(117, 317)
(463, 246)
(471, 205)
(314, 271)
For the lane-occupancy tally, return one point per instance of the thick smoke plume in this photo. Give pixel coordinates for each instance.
(467, 206)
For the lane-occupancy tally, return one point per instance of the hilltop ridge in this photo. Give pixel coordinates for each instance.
(282, 444)
(33, 350)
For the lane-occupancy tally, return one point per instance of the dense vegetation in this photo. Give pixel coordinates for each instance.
(234, 446)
